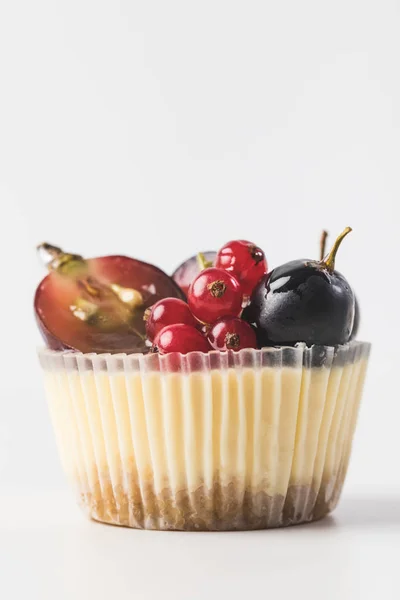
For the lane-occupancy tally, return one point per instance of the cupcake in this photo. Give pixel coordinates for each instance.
(232, 410)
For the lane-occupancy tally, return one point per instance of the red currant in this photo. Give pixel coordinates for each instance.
(180, 338)
(188, 270)
(213, 294)
(167, 311)
(245, 261)
(232, 334)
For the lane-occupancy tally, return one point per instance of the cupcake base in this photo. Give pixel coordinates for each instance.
(219, 441)
(221, 508)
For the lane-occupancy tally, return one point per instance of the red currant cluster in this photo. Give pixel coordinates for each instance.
(216, 296)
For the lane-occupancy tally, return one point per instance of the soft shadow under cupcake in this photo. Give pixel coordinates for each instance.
(362, 510)
(373, 510)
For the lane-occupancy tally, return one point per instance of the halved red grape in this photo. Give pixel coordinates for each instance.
(188, 270)
(97, 305)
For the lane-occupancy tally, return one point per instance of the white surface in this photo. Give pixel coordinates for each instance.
(160, 128)
(49, 550)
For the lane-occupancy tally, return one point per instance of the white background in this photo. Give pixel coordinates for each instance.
(157, 129)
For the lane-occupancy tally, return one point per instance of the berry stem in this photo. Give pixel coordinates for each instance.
(55, 259)
(203, 262)
(137, 332)
(322, 245)
(329, 262)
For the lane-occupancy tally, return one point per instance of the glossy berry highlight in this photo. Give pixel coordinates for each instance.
(231, 334)
(245, 261)
(180, 338)
(168, 311)
(303, 301)
(215, 293)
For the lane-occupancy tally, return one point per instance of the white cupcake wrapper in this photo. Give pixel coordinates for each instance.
(257, 438)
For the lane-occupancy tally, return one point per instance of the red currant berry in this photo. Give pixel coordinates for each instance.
(245, 261)
(180, 338)
(167, 311)
(188, 270)
(232, 334)
(213, 294)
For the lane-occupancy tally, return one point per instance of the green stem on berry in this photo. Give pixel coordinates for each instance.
(329, 261)
(203, 262)
(64, 263)
(322, 245)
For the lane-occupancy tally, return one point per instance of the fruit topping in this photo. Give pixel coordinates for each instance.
(322, 244)
(97, 305)
(356, 322)
(213, 294)
(303, 301)
(169, 311)
(180, 338)
(245, 261)
(187, 271)
(120, 304)
(231, 333)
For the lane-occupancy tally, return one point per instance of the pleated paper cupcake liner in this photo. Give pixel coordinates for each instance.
(218, 441)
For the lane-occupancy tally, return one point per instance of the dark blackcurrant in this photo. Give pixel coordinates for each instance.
(356, 323)
(303, 301)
